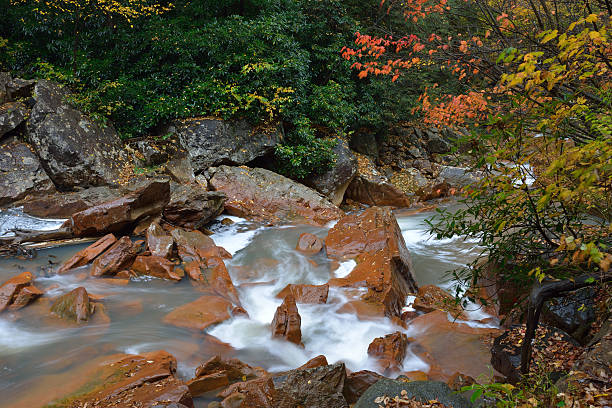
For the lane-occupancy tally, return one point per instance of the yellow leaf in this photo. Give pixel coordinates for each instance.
(549, 36)
(591, 18)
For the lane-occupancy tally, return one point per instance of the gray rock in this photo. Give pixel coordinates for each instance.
(12, 114)
(212, 142)
(74, 151)
(21, 173)
(372, 188)
(5, 80)
(334, 182)
(311, 388)
(573, 313)
(436, 144)
(458, 177)
(365, 143)
(192, 207)
(423, 391)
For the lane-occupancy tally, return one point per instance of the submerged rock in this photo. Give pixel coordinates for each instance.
(309, 243)
(192, 207)
(267, 196)
(201, 313)
(287, 321)
(432, 297)
(74, 306)
(389, 351)
(88, 254)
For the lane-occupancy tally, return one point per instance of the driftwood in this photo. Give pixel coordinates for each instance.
(543, 292)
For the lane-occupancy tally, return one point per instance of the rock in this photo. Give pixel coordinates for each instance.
(73, 305)
(26, 296)
(372, 188)
(287, 321)
(88, 254)
(318, 361)
(313, 294)
(21, 173)
(365, 142)
(458, 177)
(212, 142)
(74, 150)
(12, 114)
(157, 266)
(572, 313)
(12, 287)
(218, 372)
(180, 170)
(13, 88)
(264, 195)
(258, 393)
(437, 144)
(206, 383)
(436, 191)
(191, 244)
(63, 205)
(311, 388)
(201, 313)
(158, 242)
(458, 381)
(389, 351)
(432, 297)
(357, 383)
(309, 243)
(192, 207)
(334, 182)
(596, 361)
(116, 215)
(118, 257)
(409, 181)
(383, 261)
(423, 391)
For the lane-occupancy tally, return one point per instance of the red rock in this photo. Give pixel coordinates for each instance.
(306, 293)
(218, 372)
(318, 361)
(416, 376)
(11, 288)
(220, 281)
(26, 296)
(157, 266)
(309, 243)
(88, 254)
(458, 381)
(190, 244)
(201, 313)
(383, 261)
(432, 297)
(203, 384)
(409, 315)
(287, 322)
(158, 241)
(357, 383)
(118, 214)
(389, 351)
(258, 393)
(73, 305)
(194, 269)
(118, 257)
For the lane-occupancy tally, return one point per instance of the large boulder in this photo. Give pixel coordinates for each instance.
(357, 383)
(422, 391)
(192, 207)
(21, 173)
(212, 142)
(73, 149)
(12, 114)
(13, 88)
(334, 182)
(267, 196)
(116, 215)
(374, 238)
(63, 205)
(287, 322)
(372, 188)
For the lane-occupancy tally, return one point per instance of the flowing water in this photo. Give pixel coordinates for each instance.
(35, 348)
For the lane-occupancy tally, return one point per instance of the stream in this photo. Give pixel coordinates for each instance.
(35, 348)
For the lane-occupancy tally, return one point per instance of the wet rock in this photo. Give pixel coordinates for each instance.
(573, 313)
(118, 257)
(157, 266)
(12, 114)
(423, 391)
(383, 261)
(10, 290)
(26, 296)
(159, 242)
(357, 383)
(201, 313)
(389, 351)
(372, 188)
(192, 207)
(314, 294)
(259, 393)
(318, 361)
(432, 297)
(74, 150)
(219, 372)
(212, 142)
(458, 177)
(264, 195)
(334, 182)
(192, 245)
(63, 205)
(287, 321)
(206, 383)
(436, 191)
(88, 254)
(116, 215)
(180, 170)
(309, 243)
(21, 173)
(74, 306)
(311, 387)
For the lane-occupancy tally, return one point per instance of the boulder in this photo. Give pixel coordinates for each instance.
(409, 181)
(12, 114)
(435, 143)
(212, 142)
(10, 291)
(287, 321)
(314, 294)
(357, 383)
(88, 254)
(334, 182)
(74, 305)
(157, 266)
(14, 88)
(117, 215)
(374, 238)
(63, 205)
(21, 173)
(201, 313)
(73, 149)
(159, 242)
(458, 177)
(267, 196)
(364, 142)
(596, 361)
(572, 313)
(423, 391)
(196, 246)
(389, 351)
(192, 207)
(258, 393)
(218, 372)
(318, 361)
(117, 258)
(372, 188)
(26, 296)
(309, 243)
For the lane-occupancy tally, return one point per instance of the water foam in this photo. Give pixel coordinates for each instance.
(15, 218)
